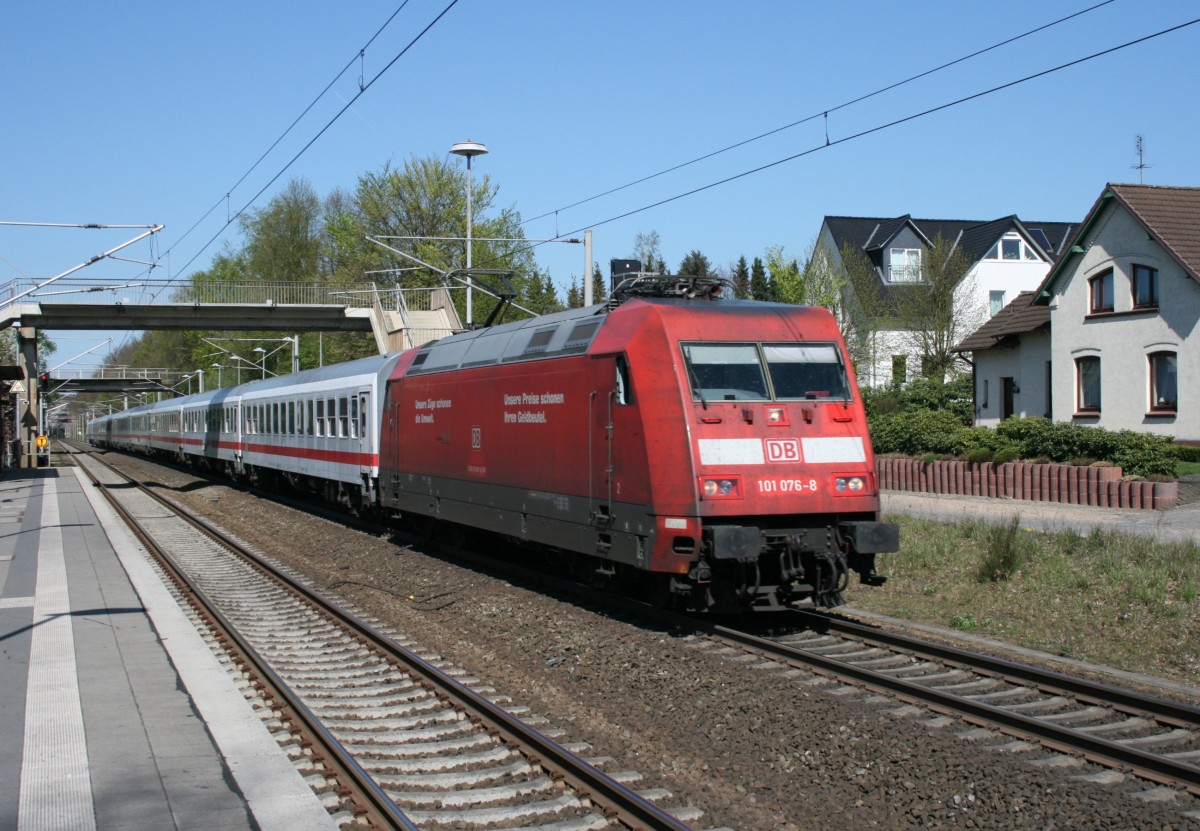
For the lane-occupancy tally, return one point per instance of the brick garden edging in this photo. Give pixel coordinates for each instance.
(1099, 486)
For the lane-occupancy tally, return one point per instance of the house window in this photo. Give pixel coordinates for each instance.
(1087, 372)
(1012, 247)
(996, 301)
(1163, 381)
(1145, 287)
(899, 369)
(905, 265)
(983, 396)
(1101, 291)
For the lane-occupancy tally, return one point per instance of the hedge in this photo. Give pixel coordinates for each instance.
(923, 432)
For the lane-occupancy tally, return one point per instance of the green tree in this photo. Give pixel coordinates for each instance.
(936, 313)
(786, 281)
(862, 303)
(741, 279)
(599, 285)
(574, 294)
(696, 264)
(283, 240)
(760, 284)
(544, 298)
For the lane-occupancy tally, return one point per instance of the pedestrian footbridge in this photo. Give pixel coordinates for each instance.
(399, 318)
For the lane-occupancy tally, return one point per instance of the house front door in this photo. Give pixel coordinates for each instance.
(1006, 406)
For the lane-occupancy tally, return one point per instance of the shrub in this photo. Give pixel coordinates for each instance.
(922, 394)
(1143, 454)
(919, 432)
(940, 430)
(1186, 452)
(980, 455)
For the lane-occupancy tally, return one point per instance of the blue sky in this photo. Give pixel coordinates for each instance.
(150, 113)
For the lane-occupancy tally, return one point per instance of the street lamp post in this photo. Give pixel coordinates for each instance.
(218, 368)
(262, 359)
(469, 150)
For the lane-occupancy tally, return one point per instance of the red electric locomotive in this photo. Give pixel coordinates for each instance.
(715, 451)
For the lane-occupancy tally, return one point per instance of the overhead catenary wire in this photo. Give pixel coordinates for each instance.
(357, 58)
(822, 114)
(881, 127)
(362, 91)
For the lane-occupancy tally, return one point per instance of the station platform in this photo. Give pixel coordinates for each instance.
(114, 714)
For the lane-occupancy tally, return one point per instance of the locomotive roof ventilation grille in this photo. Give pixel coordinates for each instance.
(539, 340)
(672, 286)
(581, 336)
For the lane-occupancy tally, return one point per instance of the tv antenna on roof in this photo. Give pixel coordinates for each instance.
(1141, 166)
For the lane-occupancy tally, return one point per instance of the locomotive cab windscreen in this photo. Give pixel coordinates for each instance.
(765, 371)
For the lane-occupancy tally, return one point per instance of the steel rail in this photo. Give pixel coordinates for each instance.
(364, 790)
(1184, 715)
(614, 799)
(1108, 753)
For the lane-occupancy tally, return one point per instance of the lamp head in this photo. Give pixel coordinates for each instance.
(470, 149)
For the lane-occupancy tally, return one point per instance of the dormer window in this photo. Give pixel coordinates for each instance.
(904, 265)
(1012, 247)
(1145, 287)
(1100, 290)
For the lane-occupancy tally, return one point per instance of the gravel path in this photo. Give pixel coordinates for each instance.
(754, 749)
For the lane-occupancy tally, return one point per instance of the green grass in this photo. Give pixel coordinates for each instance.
(1106, 597)
(1187, 468)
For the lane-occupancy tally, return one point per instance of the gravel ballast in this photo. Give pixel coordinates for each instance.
(755, 748)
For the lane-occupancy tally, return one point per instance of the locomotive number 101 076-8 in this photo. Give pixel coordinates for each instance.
(787, 485)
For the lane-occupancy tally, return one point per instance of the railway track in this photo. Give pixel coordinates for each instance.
(400, 741)
(1096, 732)
(1079, 721)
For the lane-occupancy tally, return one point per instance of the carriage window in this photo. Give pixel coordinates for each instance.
(362, 415)
(353, 417)
(343, 417)
(320, 416)
(806, 370)
(291, 418)
(725, 372)
(310, 421)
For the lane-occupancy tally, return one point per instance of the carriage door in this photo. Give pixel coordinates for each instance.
(361, 421)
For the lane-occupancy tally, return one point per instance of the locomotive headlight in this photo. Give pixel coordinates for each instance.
(725, 487)
(849, 484)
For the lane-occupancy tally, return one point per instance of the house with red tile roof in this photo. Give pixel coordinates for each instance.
(1124, 304)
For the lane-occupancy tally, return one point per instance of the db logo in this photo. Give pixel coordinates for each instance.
(476, 438)
(783, 450)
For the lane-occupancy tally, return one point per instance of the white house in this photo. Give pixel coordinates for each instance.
(1009, 256)
(1011, 363)
(1124, 303)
